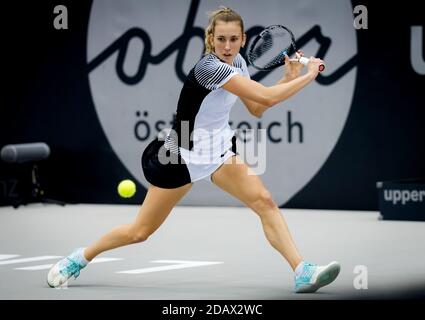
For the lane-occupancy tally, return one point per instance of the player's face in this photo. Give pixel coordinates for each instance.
(227, 40)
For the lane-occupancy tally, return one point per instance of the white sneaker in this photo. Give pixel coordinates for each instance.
(314, 277)
(60, 273)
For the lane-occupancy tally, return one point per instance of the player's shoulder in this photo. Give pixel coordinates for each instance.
(210, 65)
(210, 71)
(209, 62)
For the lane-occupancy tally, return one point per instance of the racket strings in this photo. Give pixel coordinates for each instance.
(270, 49)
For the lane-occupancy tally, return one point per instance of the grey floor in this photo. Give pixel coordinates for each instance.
(221, 254)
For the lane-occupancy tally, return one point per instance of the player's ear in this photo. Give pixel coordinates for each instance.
(243, 40)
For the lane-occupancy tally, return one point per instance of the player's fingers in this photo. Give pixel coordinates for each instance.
(316, 60)
(319, 60)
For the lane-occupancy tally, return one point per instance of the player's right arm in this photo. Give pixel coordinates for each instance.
(251, 91)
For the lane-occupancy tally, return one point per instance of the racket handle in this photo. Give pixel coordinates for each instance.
(305, 62)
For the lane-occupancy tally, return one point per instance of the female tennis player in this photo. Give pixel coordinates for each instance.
(208, 94)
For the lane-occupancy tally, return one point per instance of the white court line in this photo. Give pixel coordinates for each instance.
(28, 259)
(48, 266)
(8, 256)
(177, 264)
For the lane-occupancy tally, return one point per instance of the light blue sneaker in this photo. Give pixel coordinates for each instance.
(314, 277)
(64, 269)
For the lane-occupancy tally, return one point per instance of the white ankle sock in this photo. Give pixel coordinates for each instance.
(299, 269)
(79, 256)
(83, 260)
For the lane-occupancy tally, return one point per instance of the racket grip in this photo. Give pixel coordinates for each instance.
(305, 62)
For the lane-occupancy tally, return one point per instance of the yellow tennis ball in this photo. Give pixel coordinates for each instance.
(126, 188)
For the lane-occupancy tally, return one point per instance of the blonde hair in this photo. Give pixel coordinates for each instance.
(222, 14)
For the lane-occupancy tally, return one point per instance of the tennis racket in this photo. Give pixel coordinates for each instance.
(268, 49)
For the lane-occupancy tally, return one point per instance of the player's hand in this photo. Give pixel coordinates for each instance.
(313, 66)
(293, 68)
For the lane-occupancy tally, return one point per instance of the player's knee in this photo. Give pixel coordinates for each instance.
(137, 236)
(263, 201)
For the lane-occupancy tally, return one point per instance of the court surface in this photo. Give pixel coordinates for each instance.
(209, 253)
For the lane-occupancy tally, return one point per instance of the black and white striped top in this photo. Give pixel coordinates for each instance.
(203, 109)
(212, 73)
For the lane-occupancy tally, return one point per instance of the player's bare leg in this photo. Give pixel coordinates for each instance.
(156, 207)
(239, 180)
(236, 178)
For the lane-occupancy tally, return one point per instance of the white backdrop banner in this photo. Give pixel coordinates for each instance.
(139, 52)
